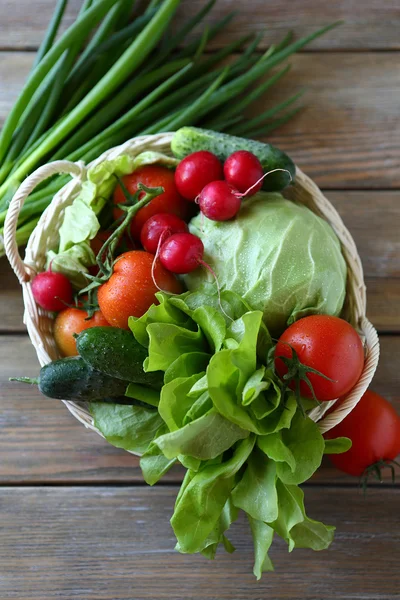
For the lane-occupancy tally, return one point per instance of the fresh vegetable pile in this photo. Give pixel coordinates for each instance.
(206, 326)
(117, 73)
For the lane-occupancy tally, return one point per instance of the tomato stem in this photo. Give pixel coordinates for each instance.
(296, 373)
(376, 470)
(108, 248)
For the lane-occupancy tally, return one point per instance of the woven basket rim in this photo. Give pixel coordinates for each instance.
(39, 322)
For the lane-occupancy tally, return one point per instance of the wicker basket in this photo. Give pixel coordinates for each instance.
(39, 322)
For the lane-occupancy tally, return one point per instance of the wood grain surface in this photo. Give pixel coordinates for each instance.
(110, 543)
(370, 25)
(346, 137)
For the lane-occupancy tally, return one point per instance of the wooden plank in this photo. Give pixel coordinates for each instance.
(11, 302)
(376, 26)
(331, 139)
(40, 440)
(116, 543)
(347, 134)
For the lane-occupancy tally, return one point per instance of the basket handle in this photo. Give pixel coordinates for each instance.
(77, 170)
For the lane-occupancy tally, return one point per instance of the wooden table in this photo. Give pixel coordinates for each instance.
(76, 520)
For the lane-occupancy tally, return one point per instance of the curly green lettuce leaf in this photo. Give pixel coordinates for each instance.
(132, 428)
(199, 507)
(305, 442)
(226, 385)
(262, 535)
(153, 462)
(273, 446)
(217, 536)
(256, 492)
(337, 445)
(167, 342)
(186, 365)
(201, 405)
(163, 312)
(205, 438)
(74, 263)
(294, 526)
(175, 400)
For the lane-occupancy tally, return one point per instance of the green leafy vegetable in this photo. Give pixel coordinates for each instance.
(306, 445)
(256, 492)
(130, 427)
(263, 535)
(224, 415)
(337, 446)
(207, 437)
(199, 508)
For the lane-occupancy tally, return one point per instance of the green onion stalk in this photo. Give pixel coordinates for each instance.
(116, 73)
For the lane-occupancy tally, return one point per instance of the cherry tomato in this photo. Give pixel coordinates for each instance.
(328, 344)
(70, 321)
(182, 253)
(243, 170)
(374, 428)
(219, 201)
(168, 202)
(130, 291)
(52, 291)
(195, 171)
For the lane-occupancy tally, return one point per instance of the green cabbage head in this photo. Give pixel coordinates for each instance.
(279, 256)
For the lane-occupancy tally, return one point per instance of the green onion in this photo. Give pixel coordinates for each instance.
(108, 78)
(51, 32)
(80, 27)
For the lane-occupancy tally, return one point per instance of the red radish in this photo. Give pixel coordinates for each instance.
(219, 201)
(195, 171)
(182, 253)
(164, 225)
(52, 291)
(243, 170)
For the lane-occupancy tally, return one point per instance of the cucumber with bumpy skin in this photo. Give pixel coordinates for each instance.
(192, 139)
(116, 352)
(72, 378)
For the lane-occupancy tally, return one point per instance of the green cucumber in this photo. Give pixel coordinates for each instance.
(73, 379)
(192, 139)
(117, 353)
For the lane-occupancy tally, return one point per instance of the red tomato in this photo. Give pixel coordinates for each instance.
(328, 344)
(70, 321)
(168, 202)
(130, 291)
(374, 428)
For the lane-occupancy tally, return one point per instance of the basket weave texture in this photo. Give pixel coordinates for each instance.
(39, 323)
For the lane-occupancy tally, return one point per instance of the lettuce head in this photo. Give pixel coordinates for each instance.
(278, 256)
